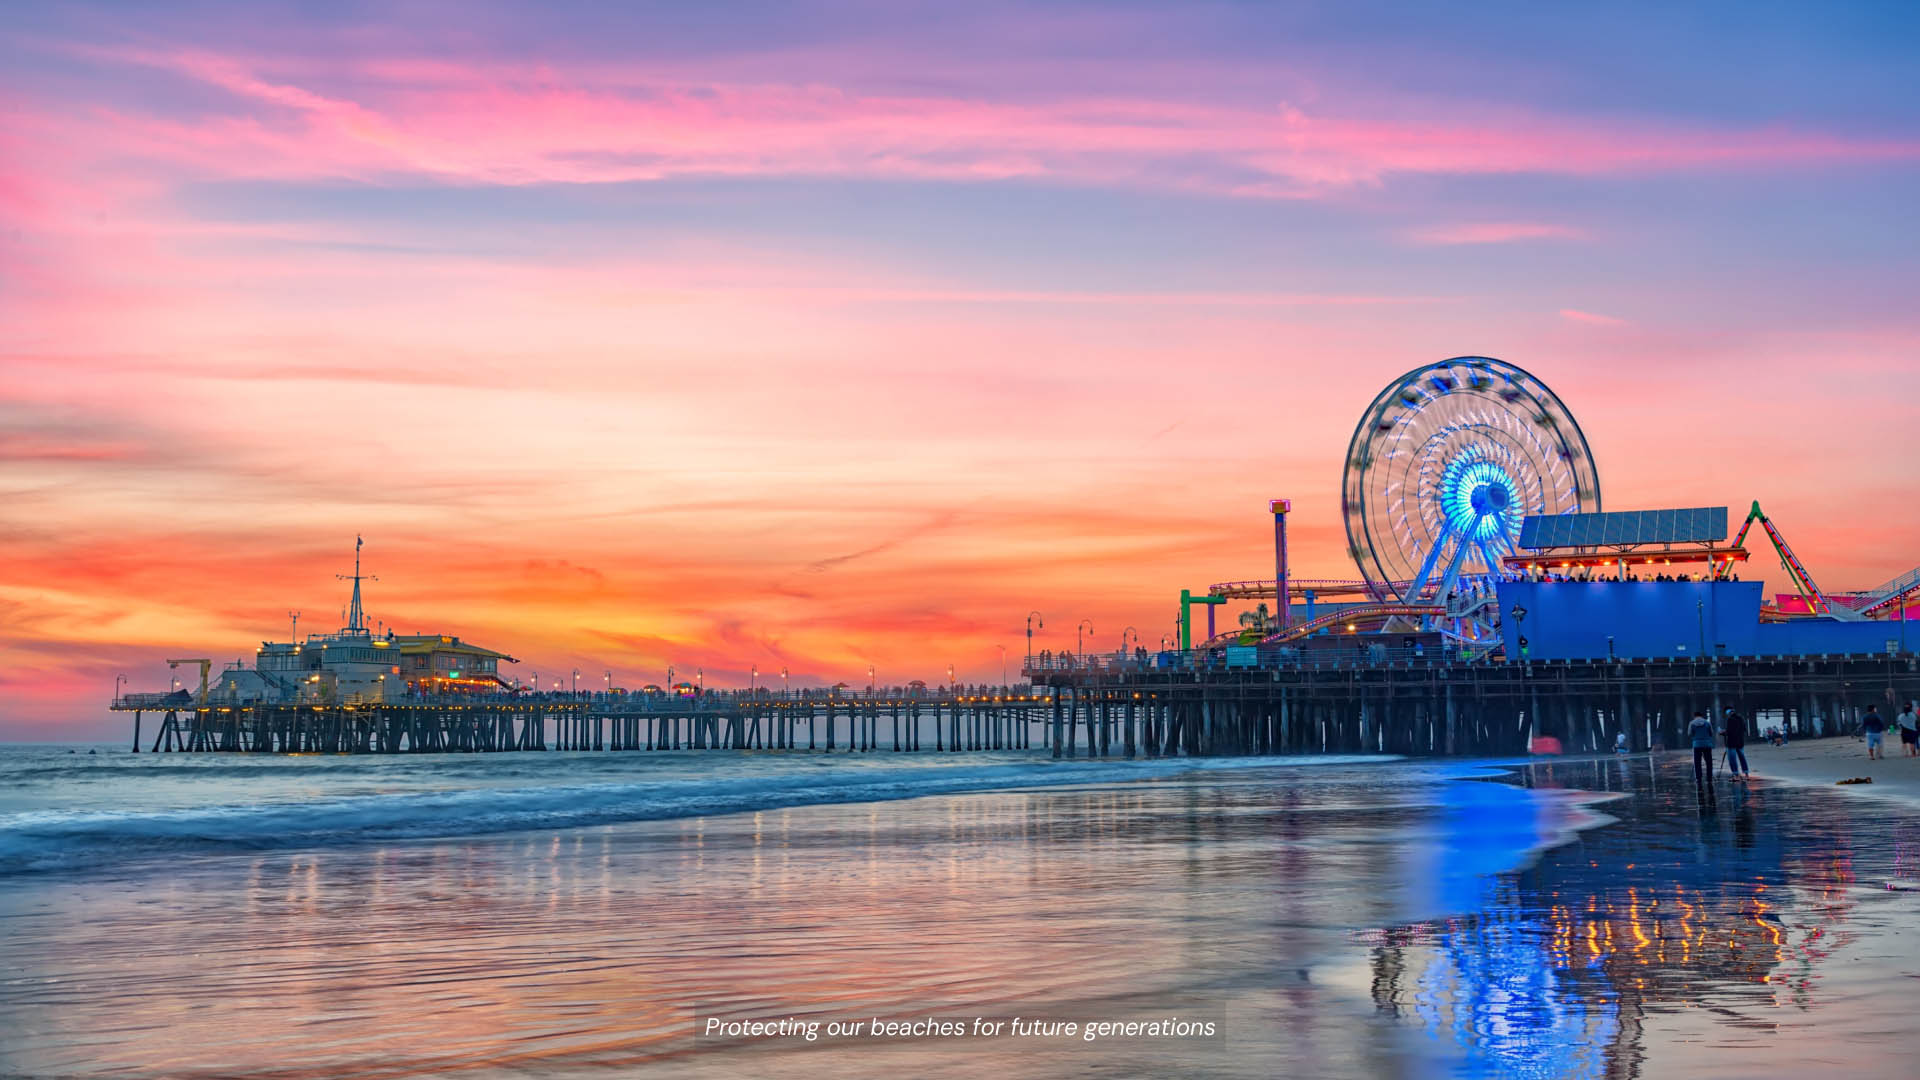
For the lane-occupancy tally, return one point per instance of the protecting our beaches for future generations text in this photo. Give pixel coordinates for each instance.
(841, 1030)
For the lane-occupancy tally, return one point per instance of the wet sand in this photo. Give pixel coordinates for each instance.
(1568, 918)
(1824, 762)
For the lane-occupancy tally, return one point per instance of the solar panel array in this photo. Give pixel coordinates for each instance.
(1697, 525)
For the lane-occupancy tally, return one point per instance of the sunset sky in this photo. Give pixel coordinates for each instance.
(833, 335)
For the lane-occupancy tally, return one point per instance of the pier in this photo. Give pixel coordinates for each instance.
(1447, 707)
(823, 721)
(1410, 705)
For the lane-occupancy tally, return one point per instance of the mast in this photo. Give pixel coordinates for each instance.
(356, 617)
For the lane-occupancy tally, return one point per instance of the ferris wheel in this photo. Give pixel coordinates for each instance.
(1445, 463)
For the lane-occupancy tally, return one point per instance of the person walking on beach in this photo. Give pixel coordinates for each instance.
(1876, 731)
(1735, 735)
(1700, 732)
(1909, 729)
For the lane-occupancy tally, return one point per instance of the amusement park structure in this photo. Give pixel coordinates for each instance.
(1468, 478)
(1809, 599)
(1497, 609)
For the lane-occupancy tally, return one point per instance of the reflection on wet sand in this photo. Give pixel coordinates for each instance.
(586, 952)
(1727, 909)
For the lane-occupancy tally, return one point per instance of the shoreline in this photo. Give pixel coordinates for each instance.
(1822, 762)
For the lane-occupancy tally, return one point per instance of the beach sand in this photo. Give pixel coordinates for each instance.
(1826, 761)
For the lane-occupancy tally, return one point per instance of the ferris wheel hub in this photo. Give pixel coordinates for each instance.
(1491, 499)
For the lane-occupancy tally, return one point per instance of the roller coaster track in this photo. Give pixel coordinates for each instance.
(1322, 588)
(1353, 614)
(1872, 600)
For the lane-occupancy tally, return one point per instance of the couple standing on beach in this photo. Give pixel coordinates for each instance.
(1700, 732)
(1875, 728)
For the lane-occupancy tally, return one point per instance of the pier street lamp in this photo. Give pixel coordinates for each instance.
(669, 680)
(700, 674)
(753, 675)
(609, 684)
(1123, 640)
(784, 689)
(1079, 641)
(118, 682)
(576, 682)
(1033, 620)
(870, 689)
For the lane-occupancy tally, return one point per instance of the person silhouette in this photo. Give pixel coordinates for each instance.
(1700, 734)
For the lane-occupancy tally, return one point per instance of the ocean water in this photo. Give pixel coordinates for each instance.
(594, 915)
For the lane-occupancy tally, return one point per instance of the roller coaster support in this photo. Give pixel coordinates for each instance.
(1817, 601)
(1187, 600)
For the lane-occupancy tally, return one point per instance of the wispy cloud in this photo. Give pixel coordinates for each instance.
(1492, 232)
(503, 124)
(1590, 318)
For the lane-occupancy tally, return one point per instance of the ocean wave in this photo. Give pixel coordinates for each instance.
(52, 840)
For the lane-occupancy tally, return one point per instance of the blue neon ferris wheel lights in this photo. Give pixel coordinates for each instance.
(1479, 500)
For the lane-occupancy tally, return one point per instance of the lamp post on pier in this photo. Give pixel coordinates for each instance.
(1079, 638)
(1033, 620)
(118, 682)
(871, 692)
(753, 677)
(609, 684)
(785, 691)
(670, 690)
(576, 682)
(1123, 640)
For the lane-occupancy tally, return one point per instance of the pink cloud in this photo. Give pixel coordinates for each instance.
(497, 124)
(1493, 232)
(1590, 318)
